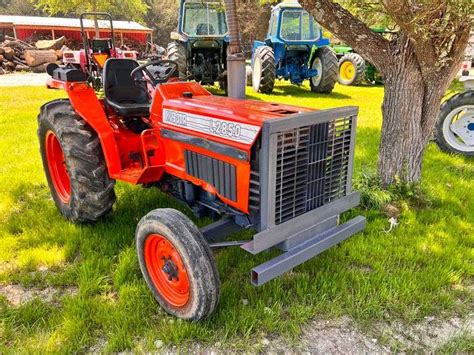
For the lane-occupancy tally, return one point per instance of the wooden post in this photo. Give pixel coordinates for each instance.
(14, 32)
(53, 34)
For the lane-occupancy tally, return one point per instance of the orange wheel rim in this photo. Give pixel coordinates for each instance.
(57, 167)
(166, 270)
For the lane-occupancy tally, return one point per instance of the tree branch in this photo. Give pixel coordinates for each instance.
(352, 31)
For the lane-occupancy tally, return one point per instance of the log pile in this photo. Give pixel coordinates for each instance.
(17, 55)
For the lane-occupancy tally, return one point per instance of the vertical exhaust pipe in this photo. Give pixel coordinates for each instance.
(236, 73)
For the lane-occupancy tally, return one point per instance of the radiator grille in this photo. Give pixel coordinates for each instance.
(215, 172)
(312, 165)
(254, 193)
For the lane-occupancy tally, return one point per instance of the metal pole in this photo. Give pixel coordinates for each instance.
(235, 57)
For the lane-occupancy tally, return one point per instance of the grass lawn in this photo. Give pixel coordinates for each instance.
(422, 268)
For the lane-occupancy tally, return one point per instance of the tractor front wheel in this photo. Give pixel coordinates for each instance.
(351, 69)
(263, 70)
(325, 62)
(177, 53)
(74, 164)
(177, 264)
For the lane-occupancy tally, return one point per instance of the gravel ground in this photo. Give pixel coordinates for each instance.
(23, 79)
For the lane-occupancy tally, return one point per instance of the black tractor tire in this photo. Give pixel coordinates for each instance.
(263, 70)
(223, 86)
(91, 191)
(358, 68)
(167, 235)
(462, 99)
(328, 60)
(248, 73)
(177, 53)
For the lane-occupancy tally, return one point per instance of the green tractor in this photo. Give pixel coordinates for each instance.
(353, 68)
(200, 44)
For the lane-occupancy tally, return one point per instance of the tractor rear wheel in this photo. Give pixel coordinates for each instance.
(177, 264)
(248, 73)
(74, 164)
(263, 70)
(455, 126)
(325, 62)
(223, 86)
(351, 69)
(177, 53)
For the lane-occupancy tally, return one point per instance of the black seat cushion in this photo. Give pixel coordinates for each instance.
(121, 93)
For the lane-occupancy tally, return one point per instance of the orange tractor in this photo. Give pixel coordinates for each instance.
(282, 170)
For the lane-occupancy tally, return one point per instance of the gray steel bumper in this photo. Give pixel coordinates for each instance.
(305, 250)
(303, 238)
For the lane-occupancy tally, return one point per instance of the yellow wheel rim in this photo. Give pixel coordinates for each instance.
(347, 71)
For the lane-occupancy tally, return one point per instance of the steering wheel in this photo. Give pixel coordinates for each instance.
(156, 71)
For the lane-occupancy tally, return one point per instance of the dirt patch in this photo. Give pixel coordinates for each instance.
(427, 335)
(343, 336)
(18, 295)
(340, 336)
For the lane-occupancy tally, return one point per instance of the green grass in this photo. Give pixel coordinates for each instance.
(462, 344)
(424, 267)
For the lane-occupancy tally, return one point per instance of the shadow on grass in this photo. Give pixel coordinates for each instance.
(303, 92)
(287, 90)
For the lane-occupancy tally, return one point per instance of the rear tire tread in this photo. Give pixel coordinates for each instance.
(268, 75)
(359, 64)
(330, 71)
(177, 53)
(92, 191)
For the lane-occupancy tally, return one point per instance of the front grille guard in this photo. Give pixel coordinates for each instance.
(269, 156)
(305, 174)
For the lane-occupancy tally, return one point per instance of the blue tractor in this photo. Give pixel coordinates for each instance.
(294, 50)
(200, 44)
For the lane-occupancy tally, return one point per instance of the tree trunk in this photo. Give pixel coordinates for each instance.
(96, 21)
(410, 107)
(50, 44)
(401, 146)
(34, 58)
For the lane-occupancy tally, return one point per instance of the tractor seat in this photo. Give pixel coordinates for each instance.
(122, 95)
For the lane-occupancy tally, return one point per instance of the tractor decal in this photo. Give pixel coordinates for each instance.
(234, 131)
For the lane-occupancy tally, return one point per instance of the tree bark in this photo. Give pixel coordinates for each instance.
(50, 44)
(34, 58)
(402, 144)
(96, 21)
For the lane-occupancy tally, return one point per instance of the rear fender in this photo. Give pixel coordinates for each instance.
(256, 44)
(85, 103)
(280, 53)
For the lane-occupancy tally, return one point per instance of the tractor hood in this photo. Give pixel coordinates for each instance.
(189, 108)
